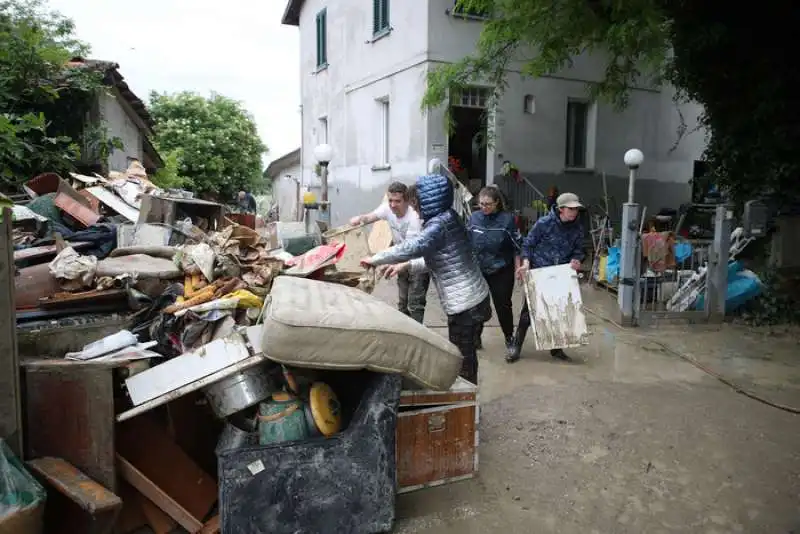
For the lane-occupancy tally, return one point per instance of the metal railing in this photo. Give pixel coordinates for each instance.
(462, 196)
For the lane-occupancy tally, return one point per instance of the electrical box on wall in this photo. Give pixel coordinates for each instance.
(755, 219)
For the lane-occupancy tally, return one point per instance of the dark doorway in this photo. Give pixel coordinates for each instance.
(467, 144)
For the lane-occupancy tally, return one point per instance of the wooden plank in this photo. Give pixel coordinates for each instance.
(186, 368)
(74, 484)
(10, 402)
(380, 237)
(70, 415)
(136, 479)
(212, 526)
(194, 386)
(147, 446)
(556, 308)
(159, 521)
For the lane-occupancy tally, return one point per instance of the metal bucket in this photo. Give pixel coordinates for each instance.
(240, 391)
(233, 437)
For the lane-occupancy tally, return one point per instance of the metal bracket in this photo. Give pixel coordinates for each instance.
(436, 423)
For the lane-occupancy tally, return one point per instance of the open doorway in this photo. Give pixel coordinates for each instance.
(467, 141)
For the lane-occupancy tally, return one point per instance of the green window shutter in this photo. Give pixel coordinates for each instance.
(380, 15)
(322, 45)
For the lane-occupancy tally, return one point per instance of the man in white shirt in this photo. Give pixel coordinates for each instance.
(404, 223)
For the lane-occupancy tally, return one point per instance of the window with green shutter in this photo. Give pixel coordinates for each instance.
(322, 38)
(380, 16)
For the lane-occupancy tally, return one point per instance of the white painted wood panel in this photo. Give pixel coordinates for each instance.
(186, 368)
(556, 308)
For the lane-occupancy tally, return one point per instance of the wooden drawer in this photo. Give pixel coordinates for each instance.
(437, 437)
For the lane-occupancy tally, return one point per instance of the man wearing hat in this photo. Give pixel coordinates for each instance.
(555, 239)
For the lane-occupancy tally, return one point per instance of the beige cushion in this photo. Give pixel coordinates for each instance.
(320, 325)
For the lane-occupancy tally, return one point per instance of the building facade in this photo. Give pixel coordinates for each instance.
(363, 69)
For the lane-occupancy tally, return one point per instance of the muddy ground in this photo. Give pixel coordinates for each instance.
(629, 438)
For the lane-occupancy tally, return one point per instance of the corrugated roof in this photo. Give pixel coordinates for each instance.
(291, 15)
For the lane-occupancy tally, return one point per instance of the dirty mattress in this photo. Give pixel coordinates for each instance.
(319, 325)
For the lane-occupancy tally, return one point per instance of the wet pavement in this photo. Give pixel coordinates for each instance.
(628, 438)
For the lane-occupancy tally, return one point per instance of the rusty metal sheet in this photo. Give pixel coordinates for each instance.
(93, 202)
(70, 415)
(44, 183)
(68, 300)
(75, 209)
(556, 308)
(33, 283)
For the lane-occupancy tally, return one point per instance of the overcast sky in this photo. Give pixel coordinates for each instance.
(235, 47)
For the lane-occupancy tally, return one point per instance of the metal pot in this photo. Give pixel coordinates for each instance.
(242, 390)
(233, 437)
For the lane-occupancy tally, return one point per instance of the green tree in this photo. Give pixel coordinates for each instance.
(42, 101)
(744, 74)
(214, 140)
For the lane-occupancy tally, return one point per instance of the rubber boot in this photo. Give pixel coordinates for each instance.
(515, 347)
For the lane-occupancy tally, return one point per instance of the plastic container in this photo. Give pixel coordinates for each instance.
(281, 419)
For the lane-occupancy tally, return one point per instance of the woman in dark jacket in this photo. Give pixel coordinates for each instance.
(497, 243)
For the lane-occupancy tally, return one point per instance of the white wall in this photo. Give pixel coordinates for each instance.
(285, 190)
(537, 143)
(359, 72)
(120, 124)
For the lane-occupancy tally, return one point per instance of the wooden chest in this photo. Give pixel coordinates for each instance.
(437, 436)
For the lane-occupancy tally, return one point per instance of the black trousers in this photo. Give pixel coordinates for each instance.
(524, 324)
(501, 288)
(462, 330)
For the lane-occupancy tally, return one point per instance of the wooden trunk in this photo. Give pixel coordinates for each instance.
(437, 436)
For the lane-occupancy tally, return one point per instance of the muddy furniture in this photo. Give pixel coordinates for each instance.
(75, 503)
(163, 210)
(344, 484)
(437, 436)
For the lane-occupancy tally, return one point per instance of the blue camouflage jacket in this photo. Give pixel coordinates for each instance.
(495, 240)
(553, 242)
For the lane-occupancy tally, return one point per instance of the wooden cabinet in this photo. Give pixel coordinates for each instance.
(437, 436)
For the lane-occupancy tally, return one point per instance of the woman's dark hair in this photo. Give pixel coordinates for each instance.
(413, 199)
(494, 193)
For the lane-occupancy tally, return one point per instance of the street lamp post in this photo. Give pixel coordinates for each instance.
(323, 154)
(628, 277)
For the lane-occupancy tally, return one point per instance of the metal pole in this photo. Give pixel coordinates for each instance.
(631, 180)
(324, 208)
(717, 274)
(628, 277)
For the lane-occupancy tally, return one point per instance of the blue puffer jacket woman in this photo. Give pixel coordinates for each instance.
(497, 244)
(444, 249)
